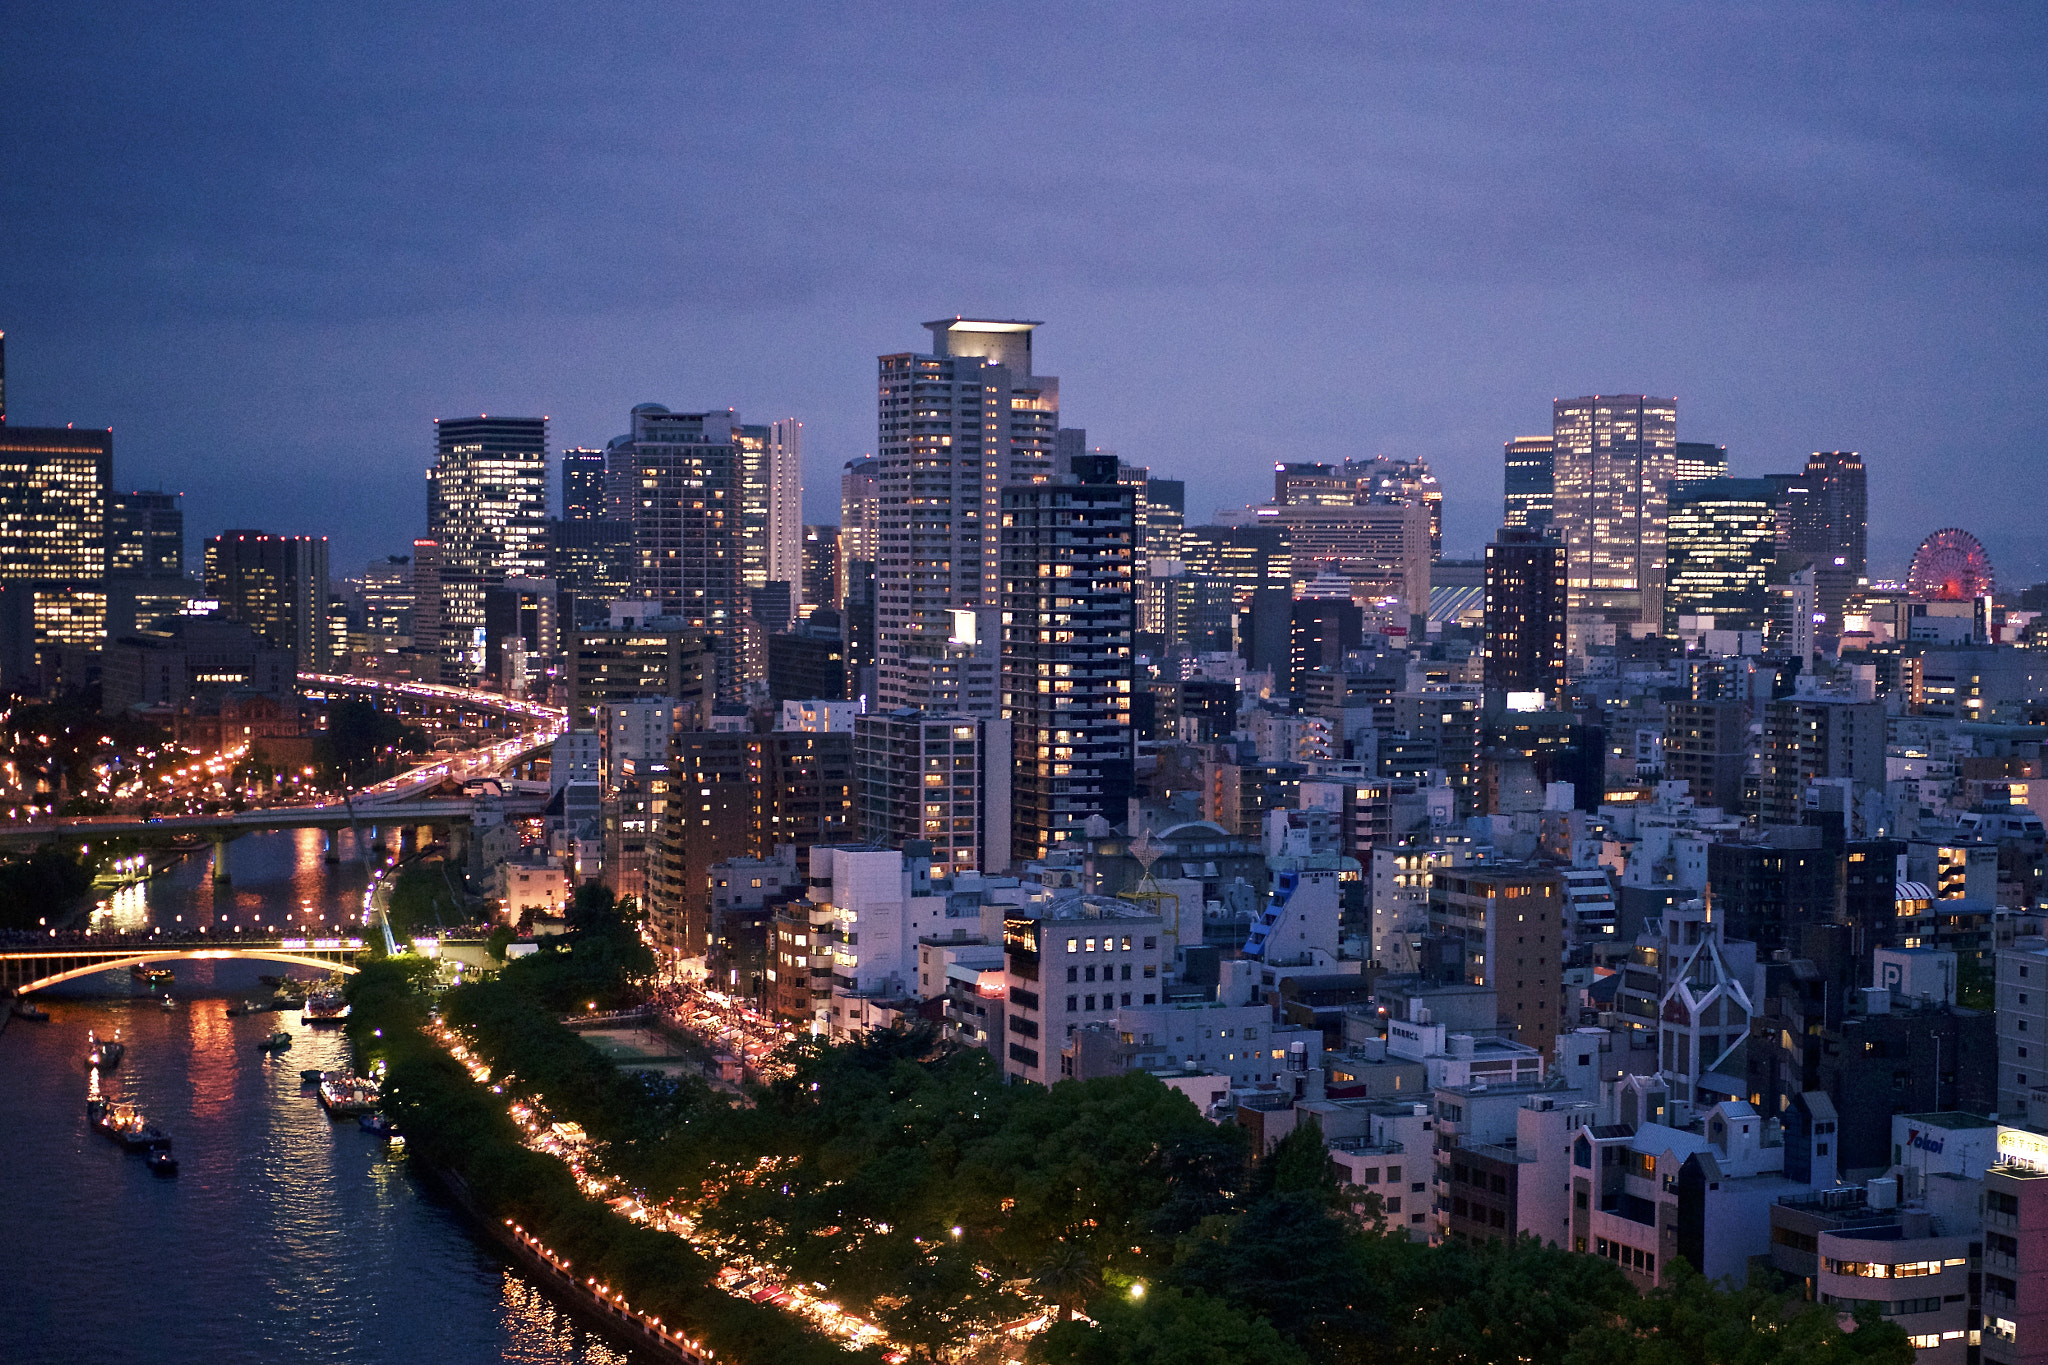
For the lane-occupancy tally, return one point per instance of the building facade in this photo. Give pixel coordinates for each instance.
(1615, 458)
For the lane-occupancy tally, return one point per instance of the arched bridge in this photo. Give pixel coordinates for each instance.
(25, 969)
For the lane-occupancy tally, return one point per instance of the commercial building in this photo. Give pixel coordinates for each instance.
(1806, 738)
(1382, 549)
(824, 571)
(1531, 483)
(771, 512)
(1248, 558)
(145, 534)
(937, 778)
(1070, 961)
(1511, 921)
(54, 486)
(955, 426)
(1068, 613)
(1698, 460)
(1721, 539)
(1706, 744)
(1615, 458)
(487, 508)
(1526, 605)
(1358, 483)
(276, 586)
(583, 482)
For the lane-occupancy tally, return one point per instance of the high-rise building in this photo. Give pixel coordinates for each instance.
(1248, 558)
(1356, 483)
(276, 586)
(54, 486)
(943, 779)
(1721, 540)
(582, 484)
(429, 617)
(771, 509)
(1530, 483)
(1381, 547)
(786, 508)
(1615, 455)
(594, 562)
(145, 534)
(954, 428)
(387, 597)
(1068, 614)
(1698, 460)
(678, 480)
(1824, 524)
(860, 509)
(823, 570)
(487, 508)
(1525, 615)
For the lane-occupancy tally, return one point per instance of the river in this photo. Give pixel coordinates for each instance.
(285, 1236)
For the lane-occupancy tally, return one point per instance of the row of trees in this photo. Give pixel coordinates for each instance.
(910, 1179)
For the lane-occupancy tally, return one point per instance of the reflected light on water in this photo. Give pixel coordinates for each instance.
(124, 912)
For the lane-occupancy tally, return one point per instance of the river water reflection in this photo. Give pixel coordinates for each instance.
(286, 1236)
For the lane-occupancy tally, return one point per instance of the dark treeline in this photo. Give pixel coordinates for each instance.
(905, 1176)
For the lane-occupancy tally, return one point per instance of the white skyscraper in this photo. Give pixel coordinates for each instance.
(786, 507)
(954, 427)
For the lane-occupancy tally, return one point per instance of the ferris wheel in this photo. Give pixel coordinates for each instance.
(1951, 566)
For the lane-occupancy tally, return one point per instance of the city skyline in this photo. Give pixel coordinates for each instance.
(1842, 232)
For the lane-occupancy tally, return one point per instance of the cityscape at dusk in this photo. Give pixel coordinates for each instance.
(1111, 686)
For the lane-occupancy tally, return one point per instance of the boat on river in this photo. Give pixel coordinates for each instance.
(311, 1076)
(124, 1123)
(103, 1054)
(276, 1042)
(34, 1014)
(346, 1097)
(151, 976)
(325, 1007)
(161, 1163)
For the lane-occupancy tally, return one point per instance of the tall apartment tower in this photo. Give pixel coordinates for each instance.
(276, 586)
(860, 509)
(582, 484)
(678, 480)
(955, 428)
(1068, 612)
(771, 513)
(487, 508)
(945, 779)
(1615, 456)
(1530, 483)
(1525, 615)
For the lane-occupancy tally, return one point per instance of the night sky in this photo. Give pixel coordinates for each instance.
(269, 243)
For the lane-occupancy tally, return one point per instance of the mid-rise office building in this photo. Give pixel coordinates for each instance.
(955, 426)
(487, 508)
(1805, 738)
(276, 586)
(1706, 744)
(1382, 548)
(1721, 541)
(1071, 962)
(736, 795)
(1698, 460)
(1511, 920)
(1615, 457)
(1068, 614)
(593, 561)
(1525, 615)
(943, 779)
(387, 598)
(1531, 483)
(1357, 483)
(677, 480)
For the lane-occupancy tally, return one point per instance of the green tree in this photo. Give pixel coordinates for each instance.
(1067, 1278)
(1689, 1321)
(1165, 1327)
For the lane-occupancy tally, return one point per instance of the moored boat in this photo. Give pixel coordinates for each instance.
(162, 1163)
(376, 1124)
(347, 1096)
(124, 1124)
(311, 1076)
(277, 1042)
(34, 1014)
